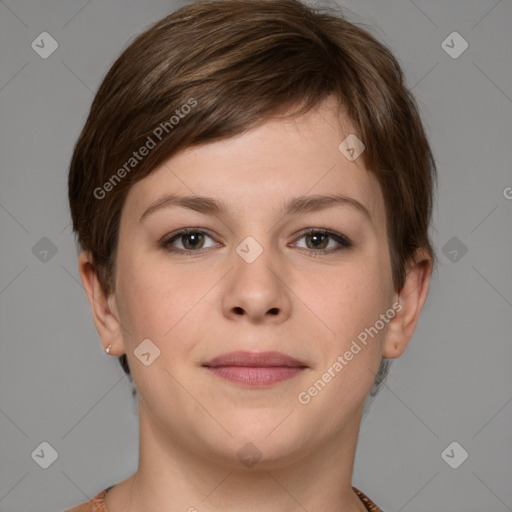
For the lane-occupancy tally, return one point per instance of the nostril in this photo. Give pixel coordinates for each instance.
(273, 311)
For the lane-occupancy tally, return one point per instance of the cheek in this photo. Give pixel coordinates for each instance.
(347, 300)
(350, 307)
(161, 303)
(156, 305)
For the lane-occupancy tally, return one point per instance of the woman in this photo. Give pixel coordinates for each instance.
(251, 194)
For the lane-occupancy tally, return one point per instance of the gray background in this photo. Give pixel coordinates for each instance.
(454, 382)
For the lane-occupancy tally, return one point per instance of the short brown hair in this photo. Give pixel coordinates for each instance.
(240, 63)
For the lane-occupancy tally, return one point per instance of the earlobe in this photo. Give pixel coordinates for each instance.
(393, 346)
(105, 321)
(412, 298)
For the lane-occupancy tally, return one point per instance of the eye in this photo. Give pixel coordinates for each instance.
(318, 240)
(191, 240)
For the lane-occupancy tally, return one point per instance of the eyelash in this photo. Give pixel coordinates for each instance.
(342, 240)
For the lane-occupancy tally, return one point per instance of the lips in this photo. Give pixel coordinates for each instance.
(255, 369)
(254, 359)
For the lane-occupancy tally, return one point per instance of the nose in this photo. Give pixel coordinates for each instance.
(257, 291)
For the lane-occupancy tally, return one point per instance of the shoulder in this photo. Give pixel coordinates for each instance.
(96, 504)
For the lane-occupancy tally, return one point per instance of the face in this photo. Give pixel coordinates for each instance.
(267, 265)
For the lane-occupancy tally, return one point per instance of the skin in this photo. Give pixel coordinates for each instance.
(194, 307)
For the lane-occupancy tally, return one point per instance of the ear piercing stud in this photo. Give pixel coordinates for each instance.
(107, 350)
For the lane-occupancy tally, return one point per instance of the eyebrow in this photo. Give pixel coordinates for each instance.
(296, 206)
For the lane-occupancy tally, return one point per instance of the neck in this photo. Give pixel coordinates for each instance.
(172, 476)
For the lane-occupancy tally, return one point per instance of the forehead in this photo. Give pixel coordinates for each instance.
(260, 169)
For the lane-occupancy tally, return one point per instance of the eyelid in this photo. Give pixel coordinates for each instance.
(339, 238)
(166, 240)
(324, 231)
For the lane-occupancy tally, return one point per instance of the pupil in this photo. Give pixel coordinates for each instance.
(192, 236)
(317, 238)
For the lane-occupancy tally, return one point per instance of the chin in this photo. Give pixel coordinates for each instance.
(261, 446)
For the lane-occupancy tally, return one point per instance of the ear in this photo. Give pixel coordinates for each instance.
(103, 308)
(411, 297)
